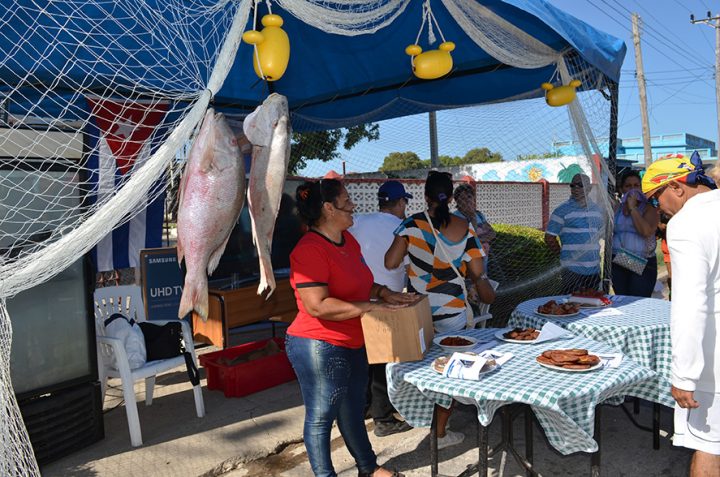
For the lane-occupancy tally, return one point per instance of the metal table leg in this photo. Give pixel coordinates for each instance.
(595, 457)
(434, 445)
(655, 429)
(505, 445)
(528, 438)
(482, 439)
(656, 426)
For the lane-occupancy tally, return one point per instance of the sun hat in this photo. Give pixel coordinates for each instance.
(675, 167)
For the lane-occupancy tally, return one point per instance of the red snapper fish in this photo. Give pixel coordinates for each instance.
(212, 192)
(268, 129)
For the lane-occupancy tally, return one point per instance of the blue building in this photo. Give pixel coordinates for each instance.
(630, 150)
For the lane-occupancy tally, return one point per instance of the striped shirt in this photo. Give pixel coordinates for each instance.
(579, 230)
(430, 273)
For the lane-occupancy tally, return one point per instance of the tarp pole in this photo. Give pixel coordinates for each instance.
(612, 172)
(434, 161)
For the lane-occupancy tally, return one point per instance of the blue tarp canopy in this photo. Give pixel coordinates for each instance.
(339, 80)
(331, 80)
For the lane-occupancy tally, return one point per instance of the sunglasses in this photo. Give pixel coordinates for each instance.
(578, 185)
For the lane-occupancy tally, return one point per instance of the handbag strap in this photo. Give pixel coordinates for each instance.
(469, 316)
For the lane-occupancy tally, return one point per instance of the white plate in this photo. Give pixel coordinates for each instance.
(557, 316)
(483, 371)
(584, 306)
(499, 335)
(454, 349)
(591, 307)
(568, 370)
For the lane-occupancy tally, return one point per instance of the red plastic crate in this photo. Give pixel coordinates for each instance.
(247, 378)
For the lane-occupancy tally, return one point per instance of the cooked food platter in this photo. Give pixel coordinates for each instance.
(576, 360)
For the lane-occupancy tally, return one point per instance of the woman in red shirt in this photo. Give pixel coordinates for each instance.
(325, 344)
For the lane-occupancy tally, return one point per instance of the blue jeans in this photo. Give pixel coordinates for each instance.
(333, 381)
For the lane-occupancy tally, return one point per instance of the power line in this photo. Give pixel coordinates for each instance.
(713, 22)
(670, 71)
(658, 22)
(664, 79)
(650, 44)
(660, 36)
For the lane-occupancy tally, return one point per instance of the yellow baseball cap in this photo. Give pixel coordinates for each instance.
(672, 167)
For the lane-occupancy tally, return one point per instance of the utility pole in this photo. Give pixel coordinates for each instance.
(640, 73)
(716, 25)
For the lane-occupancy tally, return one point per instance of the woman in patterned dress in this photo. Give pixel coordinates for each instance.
(430, 271)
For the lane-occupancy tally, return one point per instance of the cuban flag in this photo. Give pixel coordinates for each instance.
(122, 136)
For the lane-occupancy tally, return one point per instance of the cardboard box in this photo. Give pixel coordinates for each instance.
(395, 336)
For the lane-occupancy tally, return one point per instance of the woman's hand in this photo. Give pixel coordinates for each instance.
(398, 299)
(632, 202)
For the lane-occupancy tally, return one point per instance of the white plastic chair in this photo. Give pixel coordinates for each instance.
(127, 299)
(484, 314)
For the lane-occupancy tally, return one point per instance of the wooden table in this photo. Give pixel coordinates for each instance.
(242, 306)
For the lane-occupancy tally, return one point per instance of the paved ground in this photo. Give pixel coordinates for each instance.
(261, 435)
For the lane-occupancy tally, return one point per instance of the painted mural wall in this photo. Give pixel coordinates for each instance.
(560, 169)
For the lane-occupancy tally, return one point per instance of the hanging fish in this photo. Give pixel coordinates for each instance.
(268, 129)
(212, 192)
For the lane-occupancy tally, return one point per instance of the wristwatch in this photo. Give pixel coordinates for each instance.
(483, 277)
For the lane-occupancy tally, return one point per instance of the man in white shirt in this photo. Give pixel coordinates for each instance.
(374, 233)
(693, 234)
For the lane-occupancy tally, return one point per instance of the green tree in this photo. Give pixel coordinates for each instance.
(480, 155)
(447, 161)
(533, 157)
(323, 145)
(400, 161)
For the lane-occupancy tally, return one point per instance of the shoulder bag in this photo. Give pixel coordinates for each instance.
(469, 315)
(629, 260)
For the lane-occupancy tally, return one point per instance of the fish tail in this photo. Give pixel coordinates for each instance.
(194, 298)
(267, 281)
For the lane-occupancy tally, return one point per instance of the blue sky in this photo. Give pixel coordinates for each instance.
(678, 59)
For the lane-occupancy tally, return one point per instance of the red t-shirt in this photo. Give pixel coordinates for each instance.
(316, 261)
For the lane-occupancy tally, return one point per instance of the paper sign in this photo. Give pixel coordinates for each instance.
(603, 312)
(464, 366)
(551, 331)
(610, 360)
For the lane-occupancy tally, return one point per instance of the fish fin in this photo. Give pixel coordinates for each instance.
(194, 298)
(216, 255)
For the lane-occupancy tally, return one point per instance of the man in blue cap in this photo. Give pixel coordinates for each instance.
(374, 233)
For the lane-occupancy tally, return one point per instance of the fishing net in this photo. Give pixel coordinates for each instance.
(533, 143)
(99, 100)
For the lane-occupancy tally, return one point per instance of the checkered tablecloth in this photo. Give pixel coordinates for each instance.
(642, 332)
(563, 402)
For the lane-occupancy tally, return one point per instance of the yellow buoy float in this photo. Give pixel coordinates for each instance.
(273, 48)
(560, 95)
(433, 63)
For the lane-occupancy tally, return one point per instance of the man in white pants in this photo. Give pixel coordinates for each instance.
(693, 234)
(374, 233)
